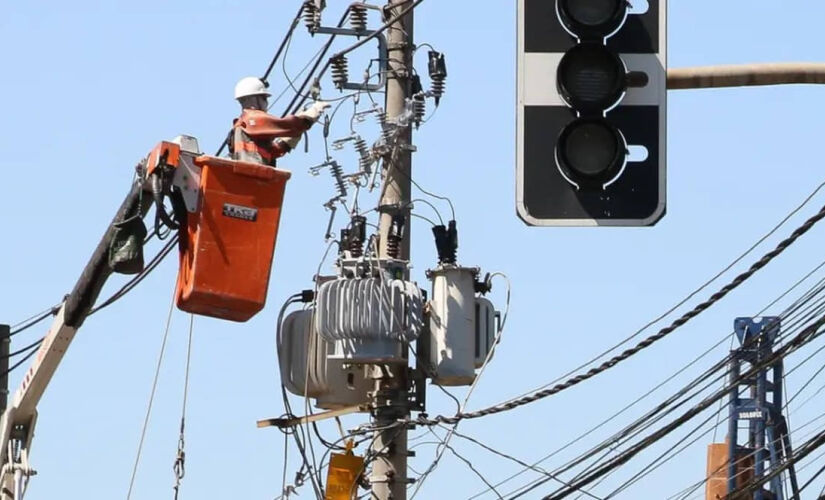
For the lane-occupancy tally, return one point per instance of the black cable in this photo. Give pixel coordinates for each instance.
(511, 458)
(468, 463)
(806, 336)
(806, 449)
(30, 322)
(537, 483)
(281, 48)
(811, 480)
(686, 492)
(22, 360)
(795, 308)
(299, 440)
(135, 281)
(34, 344)
(295, 104)
(651, 391)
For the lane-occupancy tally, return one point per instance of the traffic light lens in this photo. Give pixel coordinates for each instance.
(592, 19)
(591, 77)
(591, 151)
(592, 12)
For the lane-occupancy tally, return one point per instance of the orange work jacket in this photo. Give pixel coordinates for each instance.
(255, 131)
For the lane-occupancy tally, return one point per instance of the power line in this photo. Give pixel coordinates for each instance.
(674, 375)
(807, 335)
(794, 309)
(33, 320)
(284, 42)
(151, 399)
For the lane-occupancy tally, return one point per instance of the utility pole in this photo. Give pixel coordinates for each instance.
(390, 402)
(5, 344)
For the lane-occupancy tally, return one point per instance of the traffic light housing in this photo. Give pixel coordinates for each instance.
(591, 112)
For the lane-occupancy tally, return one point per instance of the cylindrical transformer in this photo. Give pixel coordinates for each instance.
(297, 350)
(308, 370)
(452, 336)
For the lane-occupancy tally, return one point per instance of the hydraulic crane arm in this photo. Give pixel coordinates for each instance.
(18, 421)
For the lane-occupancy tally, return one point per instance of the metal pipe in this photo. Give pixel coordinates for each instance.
(745, 75)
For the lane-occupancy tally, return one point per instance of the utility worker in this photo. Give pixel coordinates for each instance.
(259, 137)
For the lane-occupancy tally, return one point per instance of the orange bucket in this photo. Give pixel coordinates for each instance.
(226, 251)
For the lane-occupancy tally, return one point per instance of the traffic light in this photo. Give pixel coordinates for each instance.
(592, 93)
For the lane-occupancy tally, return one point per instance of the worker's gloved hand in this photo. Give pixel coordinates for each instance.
(315, 110)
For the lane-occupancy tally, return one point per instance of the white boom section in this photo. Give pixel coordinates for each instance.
(18, 421)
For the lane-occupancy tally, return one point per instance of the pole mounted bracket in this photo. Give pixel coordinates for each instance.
(383, 57)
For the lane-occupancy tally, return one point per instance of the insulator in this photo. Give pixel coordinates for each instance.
(340, 72)
(356, 248)
(338, 174)
(437, 88)
(394, 237)
(364, 152)
(358, 17)
(356, 235)
(438, 75)
(393, 246)
(386, 129)
(419, 108)
(311, 15)
(446, 242)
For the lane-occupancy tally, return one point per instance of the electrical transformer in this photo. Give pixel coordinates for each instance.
(368, 320)
(462, 326)
(308, 369)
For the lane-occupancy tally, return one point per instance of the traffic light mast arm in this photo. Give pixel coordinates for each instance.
(745, 75)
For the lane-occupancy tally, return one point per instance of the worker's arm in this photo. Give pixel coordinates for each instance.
(283, 145)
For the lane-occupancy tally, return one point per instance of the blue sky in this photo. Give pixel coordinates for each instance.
(90, 86)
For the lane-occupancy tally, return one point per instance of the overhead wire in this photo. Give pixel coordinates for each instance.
(469, 464)
(293, 299)
(695, 360)
(685, 493)
(282, 47)
(179, 466)
(19, 362)
(138, 278)
(796, 310)
(473, 385)
(800, 453)
(806, 335)
(511, 458)
(33, 320)
(806, 316)
(636, 425)
(151, 400)
(786, 406)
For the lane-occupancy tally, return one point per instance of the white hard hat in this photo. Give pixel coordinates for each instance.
(250, 86)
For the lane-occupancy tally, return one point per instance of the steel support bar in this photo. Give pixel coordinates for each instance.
(5, 346)
(745, 75)
(283, 423)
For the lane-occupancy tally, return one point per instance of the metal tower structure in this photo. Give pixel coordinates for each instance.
(756, 412)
